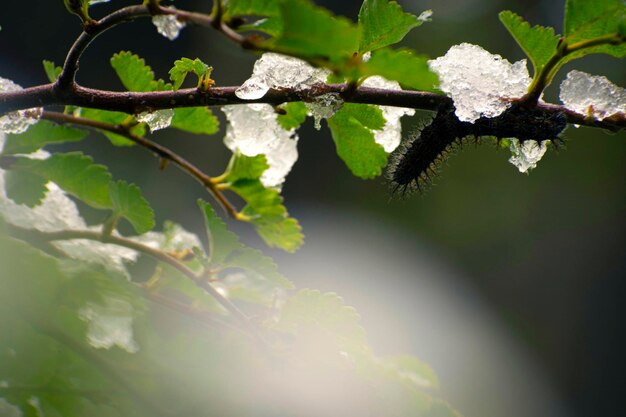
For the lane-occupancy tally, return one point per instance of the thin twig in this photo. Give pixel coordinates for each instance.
(159, 150)
(70, 67)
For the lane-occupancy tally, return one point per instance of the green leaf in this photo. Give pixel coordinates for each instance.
(75, 173)
(267, 213)
(24, 188)
(351, 128)
(128, 202)
(253, 8)
(282, 232)
(253, 260)
(245, 167)
(222, 242)
(325, 310)
(404, 66)
(52, 71)
(295, 115)
(585, 20)
(383, 23)
(538, 42)
(133, 72)
(310, 31)
(184, 66)
(273, 26)
(199, 120)
(226, 251)
(40, 135)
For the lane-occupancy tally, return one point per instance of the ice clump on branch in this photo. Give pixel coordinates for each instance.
(156, 120)
(390, 135)
(526, 155)
(324, 107)
(168, 25)
(58, 212)
(253, 130)
(275, 71)
(110, 324)
(17, 121)
(478, 82)
(592, 95)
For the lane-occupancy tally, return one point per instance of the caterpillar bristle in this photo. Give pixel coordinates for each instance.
(417, 161)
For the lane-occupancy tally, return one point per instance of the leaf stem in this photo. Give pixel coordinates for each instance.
(549, 70)
(160, 150)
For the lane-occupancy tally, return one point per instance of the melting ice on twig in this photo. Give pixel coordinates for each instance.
(390, 135)
(156, 120)
(526, 155)
(592, 95)
(479, 82)
(168, 25)
(279, 71)
(17, 121)
(252, 130)
(324, 107)
(110, 324)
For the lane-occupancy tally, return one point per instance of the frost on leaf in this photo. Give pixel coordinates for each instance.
(9, 410)
(58, 212)
(17, 121)
(526, 155)
(478, 82)
(168, 25)
(592, 95)
(324, 107)
(276, 71)
(156, 120)
(252, 130)
(110, 324)
(390, 135)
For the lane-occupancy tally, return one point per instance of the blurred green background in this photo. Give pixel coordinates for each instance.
(544, 251)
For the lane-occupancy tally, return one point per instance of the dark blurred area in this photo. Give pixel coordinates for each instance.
(546, 250)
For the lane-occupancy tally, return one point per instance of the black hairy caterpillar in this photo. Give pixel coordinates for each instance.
(417, 160)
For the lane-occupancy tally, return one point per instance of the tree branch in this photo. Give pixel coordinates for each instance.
(134, 103)
(159, 150)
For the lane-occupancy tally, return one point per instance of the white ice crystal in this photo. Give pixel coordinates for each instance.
(425, 16)
(168, 25)
(58, 212)
(9, 410)
(275, 71)
(478, 82)
(526, 155)
(252, 130)
(592, 94)
(391, 134)
(110, 324)
(324, 107)
(92, 2)
(156, 120)
(177, 239)
(17, 121)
